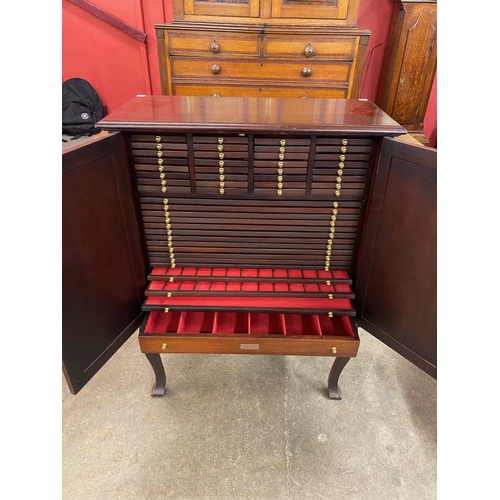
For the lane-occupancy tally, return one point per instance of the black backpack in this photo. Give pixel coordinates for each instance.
(82, 108)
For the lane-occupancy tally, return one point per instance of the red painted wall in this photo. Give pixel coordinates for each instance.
(120, 67)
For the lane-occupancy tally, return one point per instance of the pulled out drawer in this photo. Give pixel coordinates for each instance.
(248, 333)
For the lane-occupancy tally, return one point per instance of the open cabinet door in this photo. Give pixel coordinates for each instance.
(103, 265)
(397, 274)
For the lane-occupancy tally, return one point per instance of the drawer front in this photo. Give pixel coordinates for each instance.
(221, 90)
(161, 163)
(309, 71)
(309, 48)
(221, 164)
(213, 43)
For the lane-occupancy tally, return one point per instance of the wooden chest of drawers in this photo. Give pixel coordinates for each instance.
(260, 61)
(248, 228)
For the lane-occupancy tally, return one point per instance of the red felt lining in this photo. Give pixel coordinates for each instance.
(227, 323)
(249, 272)
(247, 301)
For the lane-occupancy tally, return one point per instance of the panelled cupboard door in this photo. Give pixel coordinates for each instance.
(223, 8)
(397, 273)
(103, 265)
(305, 9)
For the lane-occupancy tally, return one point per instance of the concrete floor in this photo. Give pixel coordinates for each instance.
(241, 427)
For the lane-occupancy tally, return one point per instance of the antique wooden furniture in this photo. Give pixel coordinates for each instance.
(286, 12)
(409, 64)
(263, 48)
(260, 61)
(248, 226)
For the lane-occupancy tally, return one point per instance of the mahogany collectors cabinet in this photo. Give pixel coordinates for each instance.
(247, 226)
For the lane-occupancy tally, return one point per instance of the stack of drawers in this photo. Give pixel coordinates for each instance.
(260, 61)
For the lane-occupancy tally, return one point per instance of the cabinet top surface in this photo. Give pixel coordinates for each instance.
(251, 114)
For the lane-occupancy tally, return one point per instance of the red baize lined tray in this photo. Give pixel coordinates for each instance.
(227, 323)
(249, 290)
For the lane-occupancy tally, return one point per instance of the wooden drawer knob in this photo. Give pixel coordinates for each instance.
(215, 69)
(309, 50)
(215, 47)
(306, 71)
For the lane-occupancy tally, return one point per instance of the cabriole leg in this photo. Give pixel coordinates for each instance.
(159, 386)
(333, 379)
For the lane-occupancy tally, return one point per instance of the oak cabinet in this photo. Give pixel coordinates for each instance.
(263, 48)
(228, 59)
(409, 64)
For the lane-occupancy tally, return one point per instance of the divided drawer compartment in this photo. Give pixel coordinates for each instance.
(248, 333)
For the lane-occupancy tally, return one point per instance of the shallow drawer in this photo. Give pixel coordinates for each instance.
(213, 43)
(244, 333)
(221, 90)
(309, 71)
(310, 48)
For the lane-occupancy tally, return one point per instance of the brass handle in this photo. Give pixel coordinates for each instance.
(215, 95)
(306, 71)
(309, 51)
(164, 346)
(215, 69)
(334, 350)
(215, 47)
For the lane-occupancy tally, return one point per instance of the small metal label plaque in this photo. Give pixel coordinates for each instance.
(253, 347)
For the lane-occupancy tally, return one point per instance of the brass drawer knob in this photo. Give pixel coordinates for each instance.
(216, 95)
(158, 138)
(306, 71)
(215, 69)
(334, 350)
(164, 346)
(309, 50)
(215, 47)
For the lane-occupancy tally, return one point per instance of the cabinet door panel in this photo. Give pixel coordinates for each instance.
(305, 9)
(397, 276)
(221, 8)
(103, 266)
